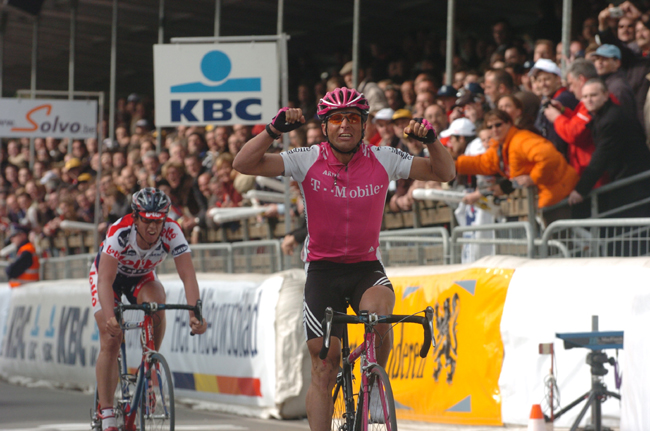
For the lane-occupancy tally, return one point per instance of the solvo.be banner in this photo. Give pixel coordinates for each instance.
(40, 118)
(219, 84)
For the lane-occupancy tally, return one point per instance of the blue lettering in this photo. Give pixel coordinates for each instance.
(221, 106)
(242, 109)
(178, 111)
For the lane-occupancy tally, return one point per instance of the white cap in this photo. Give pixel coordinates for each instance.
(460, 127)
(384, 114)
(545, 65)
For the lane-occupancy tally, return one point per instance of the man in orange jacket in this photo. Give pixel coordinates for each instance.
(25, 268)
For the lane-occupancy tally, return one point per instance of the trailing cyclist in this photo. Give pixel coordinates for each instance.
(134, 246)
(344, 184)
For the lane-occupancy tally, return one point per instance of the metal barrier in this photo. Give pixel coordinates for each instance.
(57, 268)
(597, 238)
(408, 247)
(513, 239)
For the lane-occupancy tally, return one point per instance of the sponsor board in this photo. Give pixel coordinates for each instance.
(223, 84)
(40, 118)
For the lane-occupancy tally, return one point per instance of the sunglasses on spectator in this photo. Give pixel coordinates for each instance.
(495, 126)
(352, 118)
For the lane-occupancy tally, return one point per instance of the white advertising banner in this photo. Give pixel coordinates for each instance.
(40, 118)
(219, 84)
(51, 334)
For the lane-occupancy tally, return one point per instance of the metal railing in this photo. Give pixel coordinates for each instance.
(409, 247)
(597, 238)
(595, 195)
(513, 239)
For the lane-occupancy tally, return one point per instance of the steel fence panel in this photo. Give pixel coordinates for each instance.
(598, 238)
(512, 239)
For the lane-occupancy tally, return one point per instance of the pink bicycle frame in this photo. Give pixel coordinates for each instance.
(366, 351)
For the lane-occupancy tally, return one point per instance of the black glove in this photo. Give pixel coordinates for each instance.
(280, 122)
(430, 137)
(506, 186)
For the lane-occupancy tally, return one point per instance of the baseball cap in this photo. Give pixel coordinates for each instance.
(133, 97)
(347, 68)
(447, 91)
(142, 122)
(460, 127)
(384, 114)
(545, 65)
(72, 163)
(402, 113)
(608, 51)
(15, 229)
(84, 178)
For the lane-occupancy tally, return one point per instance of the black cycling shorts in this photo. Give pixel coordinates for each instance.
(329, 284)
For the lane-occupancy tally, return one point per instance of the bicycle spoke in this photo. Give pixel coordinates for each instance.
(157, 406)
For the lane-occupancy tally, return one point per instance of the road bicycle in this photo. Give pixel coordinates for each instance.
(143, 400)
(375, 406)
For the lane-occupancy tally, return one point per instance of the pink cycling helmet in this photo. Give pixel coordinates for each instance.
(341, 98)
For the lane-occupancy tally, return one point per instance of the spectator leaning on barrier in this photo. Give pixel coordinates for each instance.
(548, 78)
(524, 158)
(571, 124)
(620, 152)
(24, 268)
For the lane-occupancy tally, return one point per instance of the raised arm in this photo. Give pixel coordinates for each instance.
(252, 159)
(440, 165)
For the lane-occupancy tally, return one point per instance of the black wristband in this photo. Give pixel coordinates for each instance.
(271, 134)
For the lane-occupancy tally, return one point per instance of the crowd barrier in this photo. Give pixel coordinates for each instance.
(490, 318)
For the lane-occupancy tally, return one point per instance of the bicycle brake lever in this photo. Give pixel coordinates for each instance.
(198, 313)
(327, 330)
(428, 332)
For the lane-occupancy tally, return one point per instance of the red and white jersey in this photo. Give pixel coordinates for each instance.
(344, 204)
(121, 243)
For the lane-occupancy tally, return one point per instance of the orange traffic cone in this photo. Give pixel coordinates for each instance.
(536, 421)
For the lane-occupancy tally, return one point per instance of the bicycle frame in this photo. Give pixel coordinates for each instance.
(365, 352)
(146, 338)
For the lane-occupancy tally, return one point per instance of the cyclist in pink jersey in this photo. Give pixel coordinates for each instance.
(134, 246)
(344, 184)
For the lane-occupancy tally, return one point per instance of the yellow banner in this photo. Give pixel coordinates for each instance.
(458, 382)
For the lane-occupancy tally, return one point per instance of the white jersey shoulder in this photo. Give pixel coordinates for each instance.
(298, 161)
(396, 162)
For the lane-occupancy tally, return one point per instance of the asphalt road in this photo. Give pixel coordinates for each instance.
(45, 409)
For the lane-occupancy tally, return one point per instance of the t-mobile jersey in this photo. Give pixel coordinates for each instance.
(121, 243)
(344, 204)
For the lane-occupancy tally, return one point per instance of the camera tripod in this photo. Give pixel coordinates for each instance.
(596, 395)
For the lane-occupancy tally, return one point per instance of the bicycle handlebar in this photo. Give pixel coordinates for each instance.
(152, 307)
(426, 321)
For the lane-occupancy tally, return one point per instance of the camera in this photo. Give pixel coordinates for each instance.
(615, 12)
(546, 104)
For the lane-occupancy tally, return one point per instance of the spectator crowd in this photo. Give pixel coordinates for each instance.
(510, 117)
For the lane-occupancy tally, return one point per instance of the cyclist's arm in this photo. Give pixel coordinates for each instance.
(186, 272)
(438, 167)
(252, 159)
(105, 278)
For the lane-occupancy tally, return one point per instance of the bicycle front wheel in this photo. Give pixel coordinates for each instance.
(381, 405)
(342, 420)
(157, 406)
